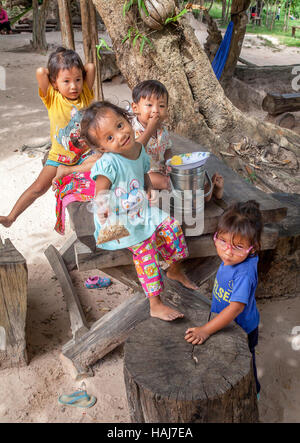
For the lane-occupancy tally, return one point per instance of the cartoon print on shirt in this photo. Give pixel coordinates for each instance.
(132, 202)
(71, 130)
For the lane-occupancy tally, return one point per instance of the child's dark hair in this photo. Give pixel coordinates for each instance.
(244, 219)
(64, 58)
(148, 88)
(92, 117)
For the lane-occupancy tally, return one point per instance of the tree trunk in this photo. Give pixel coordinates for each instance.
(240, 20)
(267, 14)
(198, 108)
(227, 12)
(285, 19)
(170, 381)
(214, 37)
(286, 27)
(66, 24)
(274, 15)
(39, 42)
(90, 40)
(223, 11)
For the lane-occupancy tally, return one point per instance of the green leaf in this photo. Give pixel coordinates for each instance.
(148, 41)
(141, 6)
(127, 5)
(102, 43)
(135, 39)
(142, 45)
(176, 17)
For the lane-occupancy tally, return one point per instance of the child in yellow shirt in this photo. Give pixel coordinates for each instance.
(65, 88)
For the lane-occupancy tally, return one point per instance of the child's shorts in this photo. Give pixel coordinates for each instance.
(168, 240)
(80, 160)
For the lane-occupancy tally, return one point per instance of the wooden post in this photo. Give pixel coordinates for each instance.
(90, 40)
(13, 306)
(171, 381)
(66, 24)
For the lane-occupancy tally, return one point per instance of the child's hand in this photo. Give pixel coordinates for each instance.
(103, 215)
(196, 336)
(154, 123)
(152, 196)
(61, 172)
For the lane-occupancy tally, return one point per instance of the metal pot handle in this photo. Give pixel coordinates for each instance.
(211, 185)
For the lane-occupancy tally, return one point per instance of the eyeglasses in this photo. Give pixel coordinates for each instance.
(236, 250)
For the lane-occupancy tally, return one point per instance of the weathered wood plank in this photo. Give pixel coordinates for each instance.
(113, 328)
(255, 74)
(67, 252)
(202, 246)
(13, 306)
(235, 188)
(107, 333)
(77, 318)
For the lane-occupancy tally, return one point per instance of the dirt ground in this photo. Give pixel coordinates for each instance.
(30, 394)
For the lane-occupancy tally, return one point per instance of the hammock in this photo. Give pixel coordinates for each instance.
(219, 61)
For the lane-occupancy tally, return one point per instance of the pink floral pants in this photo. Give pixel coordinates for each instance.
(168, 241)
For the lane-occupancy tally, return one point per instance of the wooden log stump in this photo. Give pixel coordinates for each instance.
(13, 306)
(276, 104)
(171, 381)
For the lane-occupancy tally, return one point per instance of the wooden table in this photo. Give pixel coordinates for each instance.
(90, 344)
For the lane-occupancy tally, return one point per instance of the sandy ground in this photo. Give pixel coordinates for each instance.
(30, 394)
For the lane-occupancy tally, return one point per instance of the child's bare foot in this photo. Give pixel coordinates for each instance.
(175, 272)
(159, 310)
(6, 221)
(218, 182)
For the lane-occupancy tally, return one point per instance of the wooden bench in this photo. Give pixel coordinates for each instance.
(294, 30)
(79, 252)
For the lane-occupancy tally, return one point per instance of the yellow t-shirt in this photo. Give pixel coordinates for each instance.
(65, 117)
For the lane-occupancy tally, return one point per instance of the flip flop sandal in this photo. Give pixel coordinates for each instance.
(79, 399)
(97, 282)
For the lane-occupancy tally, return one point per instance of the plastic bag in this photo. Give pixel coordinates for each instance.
(113, 228)
(111, 232)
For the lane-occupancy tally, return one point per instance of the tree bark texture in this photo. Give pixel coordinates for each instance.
(171, 381)
(198, 106)
(66, 24)
(39, 42)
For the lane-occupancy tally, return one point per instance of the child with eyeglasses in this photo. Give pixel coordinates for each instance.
(237, 241)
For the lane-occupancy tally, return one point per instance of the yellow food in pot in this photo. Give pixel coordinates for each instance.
(176, 160)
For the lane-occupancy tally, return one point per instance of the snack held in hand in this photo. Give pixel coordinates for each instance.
(111, 232)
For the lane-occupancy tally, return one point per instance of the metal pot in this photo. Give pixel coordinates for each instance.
(184, 203)
(189, 179)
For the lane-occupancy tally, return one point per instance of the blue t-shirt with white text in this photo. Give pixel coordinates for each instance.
(238, 283)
